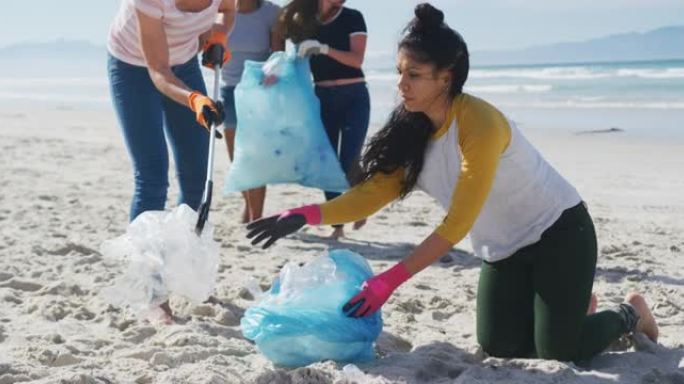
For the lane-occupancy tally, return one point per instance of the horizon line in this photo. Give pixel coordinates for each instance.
(100, 44)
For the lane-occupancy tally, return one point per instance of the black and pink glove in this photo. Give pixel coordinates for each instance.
(375, 291)
(274, 227)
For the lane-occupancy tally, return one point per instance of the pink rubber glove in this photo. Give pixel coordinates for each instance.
(375, 291)
(312, 213)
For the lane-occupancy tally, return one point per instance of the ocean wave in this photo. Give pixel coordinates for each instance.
(52, 81)
(532, 73)
(647, 73)
(585, 104)
(577, 73)
(510, 88)
(554, 73)
(547, 73)
(386, 100)
(488, 88)
(55, 97)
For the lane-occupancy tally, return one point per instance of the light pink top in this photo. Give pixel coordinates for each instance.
(182, 30)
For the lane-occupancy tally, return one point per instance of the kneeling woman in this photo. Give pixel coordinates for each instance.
(526, 222)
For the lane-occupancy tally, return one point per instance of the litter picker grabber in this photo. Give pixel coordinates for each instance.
(215, 57)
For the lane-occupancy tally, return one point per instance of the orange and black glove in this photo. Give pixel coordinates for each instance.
(207, 112)
(218, 37)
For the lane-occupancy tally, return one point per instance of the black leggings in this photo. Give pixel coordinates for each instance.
(534, 303)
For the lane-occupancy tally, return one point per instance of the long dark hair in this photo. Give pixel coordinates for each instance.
(403, 139)
(298, 21)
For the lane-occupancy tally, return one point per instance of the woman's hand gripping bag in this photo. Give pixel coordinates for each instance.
(300, 320)
(280, 137)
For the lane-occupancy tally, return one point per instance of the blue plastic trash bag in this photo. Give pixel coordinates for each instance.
(300, 320)
(280, 137)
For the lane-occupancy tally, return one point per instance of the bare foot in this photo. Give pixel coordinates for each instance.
(647, 324)
(337, 233)
(593, 304)
(359, 224)
(161, 315)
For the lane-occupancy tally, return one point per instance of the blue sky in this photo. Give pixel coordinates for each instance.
(485, 24)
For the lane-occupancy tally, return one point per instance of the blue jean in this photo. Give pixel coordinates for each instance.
(148, 119)
(345, 111)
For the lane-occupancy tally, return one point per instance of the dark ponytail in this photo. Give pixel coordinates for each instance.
(402, 141)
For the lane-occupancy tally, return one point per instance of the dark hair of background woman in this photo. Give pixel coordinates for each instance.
(404, 138)
(298, 20)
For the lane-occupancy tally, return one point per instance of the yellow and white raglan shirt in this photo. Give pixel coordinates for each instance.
(491, 181)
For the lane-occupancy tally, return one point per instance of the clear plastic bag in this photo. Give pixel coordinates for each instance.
(163, 256)
(300, 320)
(280, 137)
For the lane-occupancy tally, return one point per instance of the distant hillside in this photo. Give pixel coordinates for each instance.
(660, 44)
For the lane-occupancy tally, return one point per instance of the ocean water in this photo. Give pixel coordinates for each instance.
(581, 87)
(649, 95)
(77, 83)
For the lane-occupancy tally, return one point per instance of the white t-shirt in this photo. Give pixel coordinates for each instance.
(528, 195)
(249, 40)
(182, 29)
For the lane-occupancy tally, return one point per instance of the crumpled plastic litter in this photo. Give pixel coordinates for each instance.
(353, 374)
(300, 321)
(280, 137)
(162, 256)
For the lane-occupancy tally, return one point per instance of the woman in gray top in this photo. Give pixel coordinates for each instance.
(252, 38)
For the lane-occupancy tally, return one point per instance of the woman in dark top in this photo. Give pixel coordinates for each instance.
(334, 37)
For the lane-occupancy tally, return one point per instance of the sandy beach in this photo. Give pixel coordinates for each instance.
(65, 187)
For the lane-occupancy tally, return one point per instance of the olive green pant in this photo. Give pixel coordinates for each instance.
(534, 303)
